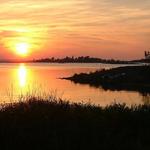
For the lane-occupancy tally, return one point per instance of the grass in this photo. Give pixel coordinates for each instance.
(58, 125)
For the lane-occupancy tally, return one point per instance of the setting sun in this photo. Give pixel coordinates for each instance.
(22, 49)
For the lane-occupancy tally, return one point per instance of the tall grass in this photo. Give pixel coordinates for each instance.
(51, 123)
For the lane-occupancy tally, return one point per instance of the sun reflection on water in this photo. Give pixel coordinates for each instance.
(22, 75)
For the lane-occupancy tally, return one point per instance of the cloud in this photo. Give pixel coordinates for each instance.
(99, 23)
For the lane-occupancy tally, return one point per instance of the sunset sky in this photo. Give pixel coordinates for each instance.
(102, 28)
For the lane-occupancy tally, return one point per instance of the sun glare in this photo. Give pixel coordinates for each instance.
(22, 49)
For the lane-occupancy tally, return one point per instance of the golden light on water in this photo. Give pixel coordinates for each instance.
(22, 75)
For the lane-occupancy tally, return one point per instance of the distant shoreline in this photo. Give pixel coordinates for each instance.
(81, 59)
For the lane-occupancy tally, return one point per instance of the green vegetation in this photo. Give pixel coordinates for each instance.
(123, 78)
(58, 125)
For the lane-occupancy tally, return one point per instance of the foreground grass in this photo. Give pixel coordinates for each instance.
(57, 125)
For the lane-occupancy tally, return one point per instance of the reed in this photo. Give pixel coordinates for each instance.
(51, 123)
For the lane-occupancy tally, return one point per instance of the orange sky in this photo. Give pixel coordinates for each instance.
(102, 28)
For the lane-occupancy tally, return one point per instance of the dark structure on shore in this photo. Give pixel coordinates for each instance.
(147, 55)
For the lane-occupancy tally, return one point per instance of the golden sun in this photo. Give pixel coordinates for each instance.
(22, 49)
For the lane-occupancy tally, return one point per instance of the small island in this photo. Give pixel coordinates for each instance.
(135, 78)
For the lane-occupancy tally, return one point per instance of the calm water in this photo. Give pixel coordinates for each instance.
(23, 78)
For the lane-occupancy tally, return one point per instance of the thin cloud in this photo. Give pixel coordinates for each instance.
(117, 23)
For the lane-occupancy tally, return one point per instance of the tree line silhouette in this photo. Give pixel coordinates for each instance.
(81, 59)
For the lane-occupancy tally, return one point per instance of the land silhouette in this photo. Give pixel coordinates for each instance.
(134, 78)
(88, 59)
(80, 59)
